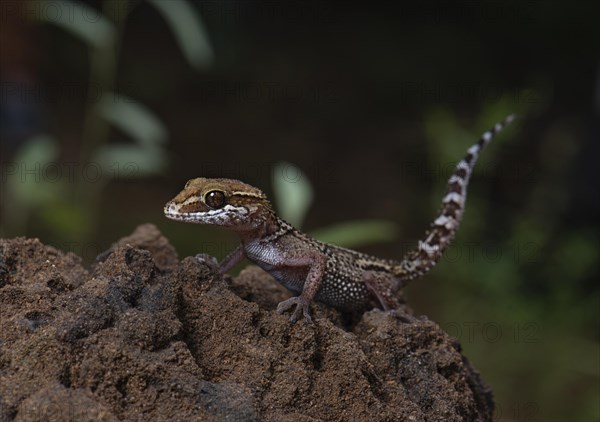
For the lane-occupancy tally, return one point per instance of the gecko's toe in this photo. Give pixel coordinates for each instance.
(302, 309)
(208, 260)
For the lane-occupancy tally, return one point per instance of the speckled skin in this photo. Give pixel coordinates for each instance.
(342, 282)
(339, 277)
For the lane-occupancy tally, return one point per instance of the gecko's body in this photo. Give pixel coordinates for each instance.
(336, 276)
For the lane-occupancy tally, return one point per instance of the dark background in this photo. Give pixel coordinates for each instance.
(375, 103)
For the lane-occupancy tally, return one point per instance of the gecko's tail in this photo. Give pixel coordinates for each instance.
(443, 229)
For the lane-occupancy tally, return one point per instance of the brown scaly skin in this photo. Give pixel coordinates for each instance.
(311, 269)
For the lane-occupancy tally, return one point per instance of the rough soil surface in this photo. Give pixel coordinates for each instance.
(143, 336)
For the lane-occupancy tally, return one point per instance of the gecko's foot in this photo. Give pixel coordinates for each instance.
(302, 309)
(208, 260)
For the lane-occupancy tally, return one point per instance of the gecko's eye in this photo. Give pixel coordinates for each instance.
(215, 199)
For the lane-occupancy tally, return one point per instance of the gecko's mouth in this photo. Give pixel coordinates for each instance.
(189, 217)
(172, 212)
(227, 216)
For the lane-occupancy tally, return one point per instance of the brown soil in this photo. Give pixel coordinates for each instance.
(143, 336)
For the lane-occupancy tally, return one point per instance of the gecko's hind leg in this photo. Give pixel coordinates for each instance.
(382, 286)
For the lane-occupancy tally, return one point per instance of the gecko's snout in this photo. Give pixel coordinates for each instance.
(170, 209)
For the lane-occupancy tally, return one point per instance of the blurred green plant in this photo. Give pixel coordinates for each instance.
(293, 196)
(53, 200)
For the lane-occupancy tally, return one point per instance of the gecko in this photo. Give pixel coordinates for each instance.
(313, 270)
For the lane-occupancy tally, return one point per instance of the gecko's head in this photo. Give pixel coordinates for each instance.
(223, 202)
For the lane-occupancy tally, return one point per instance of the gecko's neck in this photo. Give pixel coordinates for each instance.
(269, 227)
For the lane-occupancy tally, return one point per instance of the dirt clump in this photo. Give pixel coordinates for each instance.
(144, 336)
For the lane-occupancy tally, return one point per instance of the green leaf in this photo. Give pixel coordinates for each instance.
(293, 193)
(79, 19)
(33, 179)
(188, 30)
(40, 149)
(38, 178)
(130, 161)
(351, 234)
(134, 119)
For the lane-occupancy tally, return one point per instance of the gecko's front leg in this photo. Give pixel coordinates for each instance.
(232, 260)
(227, 264)
(312, 284)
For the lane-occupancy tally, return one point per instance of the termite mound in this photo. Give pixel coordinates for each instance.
(144, 335)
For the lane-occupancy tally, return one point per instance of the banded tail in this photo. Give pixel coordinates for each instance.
(443, 229)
